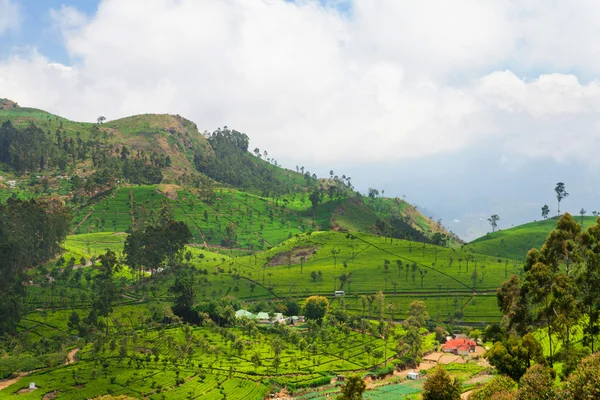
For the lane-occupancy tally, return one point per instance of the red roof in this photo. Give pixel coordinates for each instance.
(459, 344)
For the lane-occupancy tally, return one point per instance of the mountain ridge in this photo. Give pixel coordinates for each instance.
(148, 149)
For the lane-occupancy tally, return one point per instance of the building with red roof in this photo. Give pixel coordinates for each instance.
(459, 346)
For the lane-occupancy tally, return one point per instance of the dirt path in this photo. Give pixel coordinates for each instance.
(8, 382)
(466, 395)
(71, 356)
(81, 222)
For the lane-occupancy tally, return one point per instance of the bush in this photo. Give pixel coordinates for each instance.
(381, 372)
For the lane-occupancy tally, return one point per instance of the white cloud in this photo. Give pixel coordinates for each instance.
(391, 79)
(68, 19)
(10, 16)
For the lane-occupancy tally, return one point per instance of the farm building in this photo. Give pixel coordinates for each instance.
(263, 317)
(244, 314)
(459, 346)
(294, 320)
(414, 375)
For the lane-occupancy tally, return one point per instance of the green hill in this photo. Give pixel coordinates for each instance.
(85, 163)
(515, 242)
(263, 238)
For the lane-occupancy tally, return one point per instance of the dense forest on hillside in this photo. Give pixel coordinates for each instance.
(235, 165)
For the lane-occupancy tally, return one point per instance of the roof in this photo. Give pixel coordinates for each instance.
(459, 344)
(262, 315)
(244, 313)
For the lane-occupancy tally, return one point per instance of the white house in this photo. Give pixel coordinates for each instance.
(414, 375)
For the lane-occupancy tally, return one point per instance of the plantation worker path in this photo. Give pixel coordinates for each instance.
(9, 382)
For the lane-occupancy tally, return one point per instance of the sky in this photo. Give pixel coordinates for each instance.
(468, 108)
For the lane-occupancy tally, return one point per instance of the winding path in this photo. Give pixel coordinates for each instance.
(8, 382)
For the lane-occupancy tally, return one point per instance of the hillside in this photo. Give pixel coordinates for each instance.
(515, 242)
(45, 154)
(142, 305)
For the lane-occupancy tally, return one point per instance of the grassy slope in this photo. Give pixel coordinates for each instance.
(516, 242)
(180, 139)
(166, 134)
(447, 287)
(255, 217)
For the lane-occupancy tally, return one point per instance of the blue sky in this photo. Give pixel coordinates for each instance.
(38, 29)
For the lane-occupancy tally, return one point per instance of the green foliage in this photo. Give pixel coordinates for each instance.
(316, 307)
(235, 165)
(513, 356)
(499, 384)
(156, 244)
(30, 234)
(537, 383)
(584, 382)
(353, 389)
(440, 386)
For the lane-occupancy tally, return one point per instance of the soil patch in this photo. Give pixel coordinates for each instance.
(169, 190)
(293, 256)
(51, 395)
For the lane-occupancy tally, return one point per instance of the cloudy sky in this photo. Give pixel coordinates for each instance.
(467, 108)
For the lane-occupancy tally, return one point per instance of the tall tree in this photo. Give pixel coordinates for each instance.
(315, 307)
(353, 389)
(440, 386)
(30, 234)
(493, 220)
(561, 194)
(545, 211)
(105, 289)
(184, 290)
(156, 244)
(315, 198)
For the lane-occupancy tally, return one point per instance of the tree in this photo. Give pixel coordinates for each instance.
(537, 383)
(316, 307)
(514, 305)
(353, 389)
(101, 119)
(500, 384)
(373, 193)
(561, 194)
(105, 290)
(545, 211)
(185, 294)
(156, 244)
(30, 235)
(493, 220)
(515, 355)
(440, 386)
(582, 213)
(584, 382)
(410, 346)
(417, 313)
(315, 198)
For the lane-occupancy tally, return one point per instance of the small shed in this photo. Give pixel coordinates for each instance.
(244, 314)
(263, 317)
(32, 385)
(414, 375)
